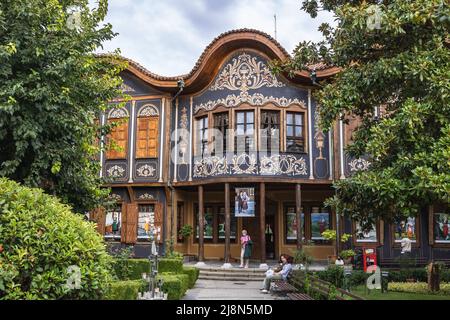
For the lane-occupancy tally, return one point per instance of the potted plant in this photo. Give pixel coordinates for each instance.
(185, 232)
(347, 255)
(331, 235)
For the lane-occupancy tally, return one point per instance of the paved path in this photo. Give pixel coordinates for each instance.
(228, 290)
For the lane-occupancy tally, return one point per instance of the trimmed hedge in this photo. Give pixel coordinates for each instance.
(125, 290)
(175, 285)
(192, 274)
(138, 267)
(170, 265)
(177, 278)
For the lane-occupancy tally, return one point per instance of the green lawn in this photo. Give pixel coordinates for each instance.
(377, 295)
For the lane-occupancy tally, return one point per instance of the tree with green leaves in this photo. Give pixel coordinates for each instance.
(394, 55)
(52, 89)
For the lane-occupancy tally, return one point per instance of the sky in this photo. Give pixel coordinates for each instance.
(168, 36)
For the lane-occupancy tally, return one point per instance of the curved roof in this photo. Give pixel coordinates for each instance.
(212, 57)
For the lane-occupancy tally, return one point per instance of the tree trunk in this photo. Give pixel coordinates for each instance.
(433, 277)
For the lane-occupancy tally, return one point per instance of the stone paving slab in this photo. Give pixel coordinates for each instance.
(228, 290)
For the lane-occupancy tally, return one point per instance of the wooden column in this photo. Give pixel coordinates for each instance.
(201, 225)
(262, 220)
(227, 223)
(298, 211)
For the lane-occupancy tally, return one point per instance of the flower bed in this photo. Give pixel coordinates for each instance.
(417, 287)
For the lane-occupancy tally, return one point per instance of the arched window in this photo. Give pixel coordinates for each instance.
(118, 135)
(147, 132)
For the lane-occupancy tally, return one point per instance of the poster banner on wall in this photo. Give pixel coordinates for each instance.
(244, 202)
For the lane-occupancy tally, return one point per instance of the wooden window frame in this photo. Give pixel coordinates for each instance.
(197, 143)
(225, 139)
(255, 123)
(268, 147)
(415, 244)
(378, 227)
(119, 204)
(215, 213)
(294, 126)
(431, 234)
(306, 235)
(143, 203)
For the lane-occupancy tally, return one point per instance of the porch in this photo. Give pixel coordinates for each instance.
(273, 226)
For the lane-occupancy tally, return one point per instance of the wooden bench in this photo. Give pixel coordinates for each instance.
(281, 286)
(298, 296)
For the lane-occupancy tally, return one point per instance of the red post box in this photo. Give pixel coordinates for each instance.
(369, 258)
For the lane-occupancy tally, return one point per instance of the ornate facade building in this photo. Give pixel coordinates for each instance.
(234, 147)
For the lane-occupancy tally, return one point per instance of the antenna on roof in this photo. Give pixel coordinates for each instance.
(275, 23)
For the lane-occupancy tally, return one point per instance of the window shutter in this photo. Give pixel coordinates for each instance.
(119, 135)
(123, 229)
(147, 137)
(159, 216)
(132, 220)
(98, 215)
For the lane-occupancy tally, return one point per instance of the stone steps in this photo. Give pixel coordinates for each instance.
(235, 278)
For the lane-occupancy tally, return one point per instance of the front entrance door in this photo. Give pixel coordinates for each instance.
(269, 230)
(252, 227)
(270, 237)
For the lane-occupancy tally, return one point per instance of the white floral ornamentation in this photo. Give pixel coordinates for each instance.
(256, 99)
(358, 165)
(116, 171)
(210, 166)
(283, 164)
(146, 171)
(244, 73)
(146, 196)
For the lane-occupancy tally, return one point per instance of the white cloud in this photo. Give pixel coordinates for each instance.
(168, 36)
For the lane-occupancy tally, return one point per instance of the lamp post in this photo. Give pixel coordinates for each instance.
(154, 234)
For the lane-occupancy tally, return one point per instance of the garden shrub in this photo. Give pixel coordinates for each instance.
(40, 239)
(192, 274)
(174, 255)
(138, 267)
(357, 278)
(417, 287)
(418, 274)
(121, 265)
(170, 265)
(126, 290)
(175, 285)
(333, 274)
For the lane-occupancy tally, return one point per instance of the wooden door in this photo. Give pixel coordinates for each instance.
(252, 227)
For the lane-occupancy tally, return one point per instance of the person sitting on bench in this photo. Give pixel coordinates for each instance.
(281, 275)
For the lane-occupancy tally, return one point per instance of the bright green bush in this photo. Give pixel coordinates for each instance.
(41, 238)
(170, 265)
(131, 269)
(175, 285)
(333, 274)
(192, 274)
(126, 290)
(417, 287)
